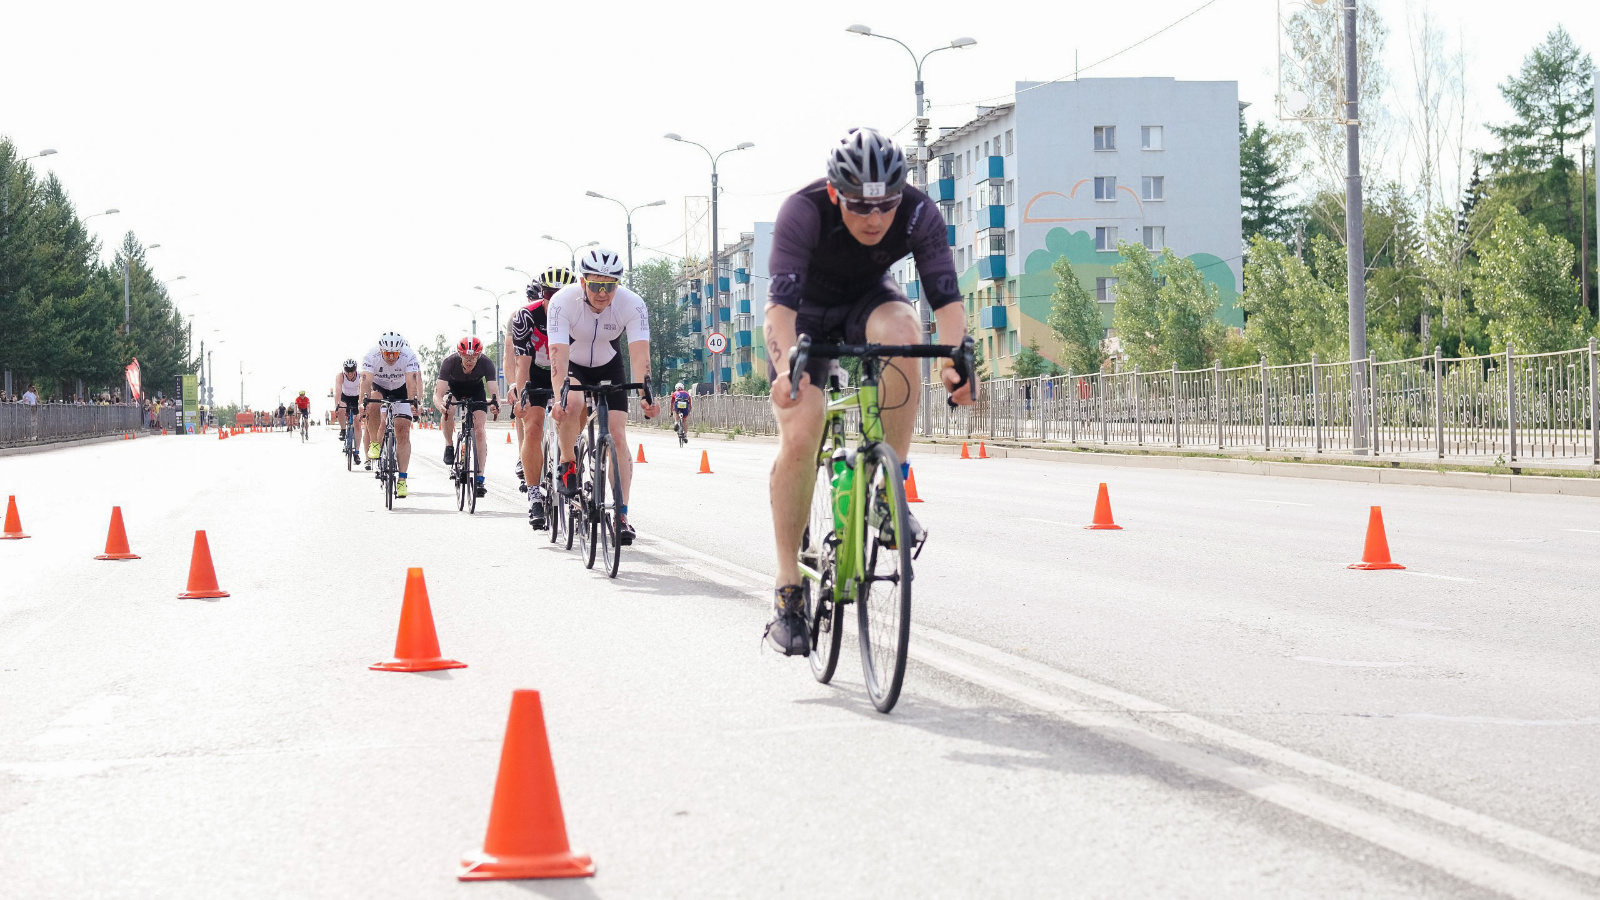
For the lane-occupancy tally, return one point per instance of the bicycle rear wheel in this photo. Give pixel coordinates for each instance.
(469, 472)
(824, 615)
(884, 599)
(610, 512)
(390, 466)
(455, 476)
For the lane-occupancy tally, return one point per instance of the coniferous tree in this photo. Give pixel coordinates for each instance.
(1263, 176)
(1551, 100)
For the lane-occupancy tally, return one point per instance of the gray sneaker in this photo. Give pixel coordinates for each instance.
(787, 632)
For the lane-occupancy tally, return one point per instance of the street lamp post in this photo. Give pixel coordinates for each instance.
(500, 375)
(1355, 259)
(473, 313)
(628, 215)
(5, 187)
(572, 252)
(921, 120)
(716, 249)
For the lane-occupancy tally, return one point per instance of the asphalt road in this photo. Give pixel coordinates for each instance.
(1207, 703)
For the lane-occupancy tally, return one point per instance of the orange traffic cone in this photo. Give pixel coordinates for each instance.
(202, 577)
(416, 649)
(911, 486)
(1376, 554)
(13, 530)
(508, 436)
(641, 455)
(983, 450)
(527, 835)
(705, 464)
(964, 453)
(1102, 512)
(117, 539)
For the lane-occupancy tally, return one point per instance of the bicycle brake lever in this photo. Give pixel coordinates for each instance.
(799, 355)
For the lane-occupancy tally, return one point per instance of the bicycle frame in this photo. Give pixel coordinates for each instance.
(849, 557)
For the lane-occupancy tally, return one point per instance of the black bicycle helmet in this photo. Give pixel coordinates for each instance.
(867, 164)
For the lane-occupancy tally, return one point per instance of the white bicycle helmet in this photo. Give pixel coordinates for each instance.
(679, 387)
(600, 261)
(391, 343)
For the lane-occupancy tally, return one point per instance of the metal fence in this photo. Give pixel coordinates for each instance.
(1510, 406)
(22, 424)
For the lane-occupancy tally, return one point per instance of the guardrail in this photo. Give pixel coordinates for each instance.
(1483, 408)
(22, 424)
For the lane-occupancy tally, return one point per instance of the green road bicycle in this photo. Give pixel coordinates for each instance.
(851, 550)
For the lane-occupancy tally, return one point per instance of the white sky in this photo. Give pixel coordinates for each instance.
(325, 171)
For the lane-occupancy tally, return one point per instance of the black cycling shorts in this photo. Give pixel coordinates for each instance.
(350, 402)
(536, 391)
(593, 375)
(396, 395)
(837, 324)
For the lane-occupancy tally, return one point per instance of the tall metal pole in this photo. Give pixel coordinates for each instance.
(716, 268)
(629, 216)
(1355, 250)
(126, 302)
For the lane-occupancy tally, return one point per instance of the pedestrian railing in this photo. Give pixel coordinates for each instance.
(1499, 407)
(22, 424)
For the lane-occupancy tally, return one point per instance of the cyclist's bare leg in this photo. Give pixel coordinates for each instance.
(402, 442)
(896, 323)
(374, 419)
(449, 426)
(793, 472)
(530, 419)
(569, 427)
(619, 437)
(480, 437)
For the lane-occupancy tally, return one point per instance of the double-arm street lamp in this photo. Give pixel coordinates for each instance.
(628, 215)
(716, 250)
(499, 373)
(572, 252)
(921, 168)
(474, 313)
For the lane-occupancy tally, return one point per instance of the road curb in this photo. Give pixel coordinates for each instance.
(57, 445)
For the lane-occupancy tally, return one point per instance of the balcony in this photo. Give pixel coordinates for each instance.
(727, 374)
(741, 276)
(699, 354)
(693, 327)
(950, 234)
(914, 290)
(725, 314)
(989, 169)
(992, 217)
(744, 369)
(722, 285)
(742, 339)
(992, 317)
(942, 190)
(992, 268)
(744, 307)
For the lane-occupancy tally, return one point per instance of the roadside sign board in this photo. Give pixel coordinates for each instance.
(717, 342)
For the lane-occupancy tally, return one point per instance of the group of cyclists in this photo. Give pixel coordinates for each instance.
(833, 244)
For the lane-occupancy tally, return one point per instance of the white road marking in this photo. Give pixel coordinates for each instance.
(1419, 626)
(1281, 502)
(81, 723)
(1117, 723)
(1495, 720)
(1049, 522)
(1582, 530)
(1352, 663)
(1431, 575)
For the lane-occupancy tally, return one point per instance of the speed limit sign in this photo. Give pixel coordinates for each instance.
(716, 342)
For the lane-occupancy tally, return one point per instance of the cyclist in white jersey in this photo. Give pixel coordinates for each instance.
(391, 371)
(584, 320)
(347, 397)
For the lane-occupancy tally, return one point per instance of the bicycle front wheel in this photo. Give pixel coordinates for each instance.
(470, 471)
(611, 508)
(593, 499)
(884, 599)
(824, 614)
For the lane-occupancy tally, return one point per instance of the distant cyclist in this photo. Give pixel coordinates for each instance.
(347, 396)
(529, 381)
(467, 375)
(832, 246)
(584, 320)
(303, 404)
(391, 371)
(680, 407)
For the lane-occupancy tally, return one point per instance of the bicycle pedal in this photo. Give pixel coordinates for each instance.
(921, 542)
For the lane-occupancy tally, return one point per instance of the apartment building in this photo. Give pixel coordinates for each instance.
(730, 304)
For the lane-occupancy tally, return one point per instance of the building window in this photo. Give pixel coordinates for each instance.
(985, 148)
(1011, 242)
(1105, 137)
(1013, 336)
(1105, 238)
(1011, 193)
(989, 342)
(1150, 137)
(1105, 290)
(1008, 142)
(1105, 187)
(1011, 292)
(1153, 187)
(1155, 237)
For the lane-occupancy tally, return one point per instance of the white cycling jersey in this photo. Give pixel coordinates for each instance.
(386, 376)
(589, 334)
(350, 387)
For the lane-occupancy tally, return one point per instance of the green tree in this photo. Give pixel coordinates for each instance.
(1291, 313)
(1191, 336)
(656, 282)
(1075, 321)
(753, 383)
(1137, 314)
(432, 358)
(1524, 287)
(1551, 100)
(1263, 176)
(1030, 363)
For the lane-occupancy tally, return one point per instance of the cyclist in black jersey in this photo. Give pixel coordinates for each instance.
(528, 335)
(467, 374)
(833, 244)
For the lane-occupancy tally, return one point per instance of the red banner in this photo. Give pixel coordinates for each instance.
(133, 380)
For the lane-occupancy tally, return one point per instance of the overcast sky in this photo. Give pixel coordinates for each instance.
(325, 171)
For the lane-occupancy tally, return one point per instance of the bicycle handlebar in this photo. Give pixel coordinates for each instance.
(606, 388)
(407, 400)
(962, 354)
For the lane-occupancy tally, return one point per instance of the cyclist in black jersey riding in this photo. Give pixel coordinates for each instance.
(467, 374)
(833, 243)
(528, 379)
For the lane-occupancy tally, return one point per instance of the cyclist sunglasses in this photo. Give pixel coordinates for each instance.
(601, 287)
(862, 206)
